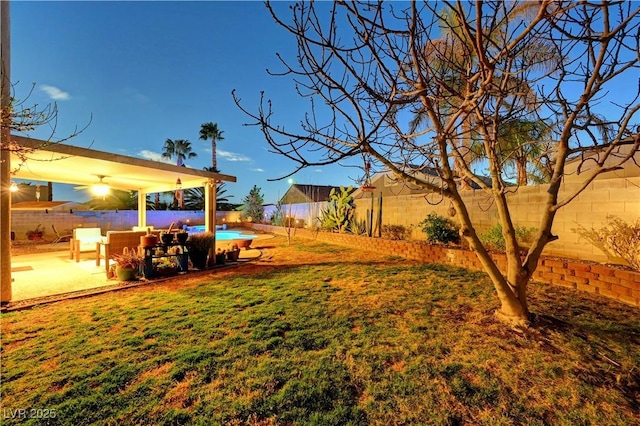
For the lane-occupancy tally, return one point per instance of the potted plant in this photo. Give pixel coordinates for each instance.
(165, 266)
(36, 234)
(221, 257)
(182, 236)
(128, 264)
(199, 246)
(149, 240)
(167, 238)
(233, 251)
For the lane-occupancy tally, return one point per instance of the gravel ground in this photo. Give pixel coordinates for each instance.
(20, 247)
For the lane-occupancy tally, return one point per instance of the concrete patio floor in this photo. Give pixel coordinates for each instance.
(49, 274)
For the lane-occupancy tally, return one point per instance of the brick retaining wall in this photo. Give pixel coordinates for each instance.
(618, 284)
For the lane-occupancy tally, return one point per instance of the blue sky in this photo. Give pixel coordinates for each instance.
(143, 72)
(146, 71)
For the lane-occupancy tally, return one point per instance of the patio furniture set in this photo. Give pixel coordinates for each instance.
(114, 243)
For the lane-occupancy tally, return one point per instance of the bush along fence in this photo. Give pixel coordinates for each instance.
(614, 283)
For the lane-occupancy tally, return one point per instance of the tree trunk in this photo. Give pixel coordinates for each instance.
(510, 289)
(521, 167)
(464, 181)
(458, 163)
(511, 293)
(214, 161)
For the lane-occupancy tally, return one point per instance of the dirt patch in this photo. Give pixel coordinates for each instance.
(21, 247)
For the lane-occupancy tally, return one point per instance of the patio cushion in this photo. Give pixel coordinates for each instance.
(84, 239)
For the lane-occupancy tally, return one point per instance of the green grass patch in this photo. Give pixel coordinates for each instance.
(335, 343)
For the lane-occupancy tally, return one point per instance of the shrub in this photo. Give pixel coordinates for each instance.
(619, 240)
(493, 238)
(395, 232)
(358, 227)
(253, 209)
(440, 229)
(202, 241)
(277, 217)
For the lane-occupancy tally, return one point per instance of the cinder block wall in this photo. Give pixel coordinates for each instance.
(612, 283)
(617, 196)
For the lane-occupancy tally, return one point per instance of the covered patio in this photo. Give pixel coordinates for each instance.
(47, 274)
(62, 163)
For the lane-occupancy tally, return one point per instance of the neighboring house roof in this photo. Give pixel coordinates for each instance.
(48, 205)
(386, 183)
(299, 193)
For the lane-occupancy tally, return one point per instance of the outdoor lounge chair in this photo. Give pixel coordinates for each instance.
(84, 239)
(59, 238)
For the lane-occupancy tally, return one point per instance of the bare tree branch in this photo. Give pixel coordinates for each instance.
(432, 85)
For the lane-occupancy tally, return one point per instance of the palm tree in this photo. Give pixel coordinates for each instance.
(194, 199)
(522, 142)
(210, 131)
(453, 55)
(115, 200)
(180, 149)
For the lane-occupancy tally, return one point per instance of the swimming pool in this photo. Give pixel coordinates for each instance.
(240, 239)
(200, 228)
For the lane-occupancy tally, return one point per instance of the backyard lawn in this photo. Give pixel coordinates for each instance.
(319, 334)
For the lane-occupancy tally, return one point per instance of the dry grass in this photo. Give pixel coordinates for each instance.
(318, 334)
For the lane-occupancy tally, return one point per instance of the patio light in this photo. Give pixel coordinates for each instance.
(100, 188)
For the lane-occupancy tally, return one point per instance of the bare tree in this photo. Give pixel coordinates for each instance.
(21, 117)
(369, 68)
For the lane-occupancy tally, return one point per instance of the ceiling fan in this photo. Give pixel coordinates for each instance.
(99, 188)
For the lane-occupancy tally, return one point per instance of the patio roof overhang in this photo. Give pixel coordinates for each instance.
(62, 163)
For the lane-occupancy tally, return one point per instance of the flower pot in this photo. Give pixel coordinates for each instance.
(126, 274)
(232, 256)
(221, 258)
(182, 237)
(35, 236)
(199, 258)
(167, 239)
(149, 240)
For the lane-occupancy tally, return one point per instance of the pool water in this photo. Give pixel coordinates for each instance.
(222, 235)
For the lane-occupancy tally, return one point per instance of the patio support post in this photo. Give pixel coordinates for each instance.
(5, 157)
(142, 208)
(210, 214)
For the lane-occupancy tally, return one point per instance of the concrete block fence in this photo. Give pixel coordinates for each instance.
(613, 283)
(617, 196)
(108, 220)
